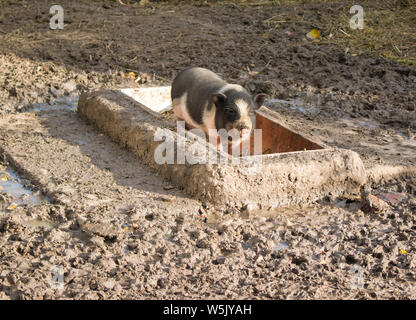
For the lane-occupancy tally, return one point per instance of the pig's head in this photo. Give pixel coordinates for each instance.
(233, 108)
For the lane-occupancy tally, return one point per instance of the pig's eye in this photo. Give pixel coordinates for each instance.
(229, 112)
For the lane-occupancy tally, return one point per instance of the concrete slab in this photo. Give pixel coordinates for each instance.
(287, 176)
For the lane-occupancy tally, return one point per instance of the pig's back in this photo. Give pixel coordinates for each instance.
(199, 84)
(195, 79)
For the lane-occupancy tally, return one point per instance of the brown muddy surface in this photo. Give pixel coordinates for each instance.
(117, 230)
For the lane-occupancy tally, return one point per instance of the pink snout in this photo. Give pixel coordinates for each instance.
(244, 132)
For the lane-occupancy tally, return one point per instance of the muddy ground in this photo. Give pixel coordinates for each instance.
(116, 230)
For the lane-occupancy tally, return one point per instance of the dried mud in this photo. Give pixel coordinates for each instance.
(118, 230)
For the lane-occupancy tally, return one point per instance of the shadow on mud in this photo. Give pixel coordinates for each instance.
(127, 170)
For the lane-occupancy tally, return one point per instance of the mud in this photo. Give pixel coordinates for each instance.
(118, 230)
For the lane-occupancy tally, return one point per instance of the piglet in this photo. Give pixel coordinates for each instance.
(205, 101)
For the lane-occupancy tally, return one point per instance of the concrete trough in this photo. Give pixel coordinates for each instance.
(291, 168)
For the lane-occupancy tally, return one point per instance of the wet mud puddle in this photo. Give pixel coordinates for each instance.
(68, 103)
(15, 189)
(18, 194)
(11, 184)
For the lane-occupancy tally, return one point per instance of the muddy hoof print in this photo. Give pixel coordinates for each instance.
(372, 204)
(108, 232)
(219, 260)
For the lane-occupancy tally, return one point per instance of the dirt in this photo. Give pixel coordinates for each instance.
(117, 230)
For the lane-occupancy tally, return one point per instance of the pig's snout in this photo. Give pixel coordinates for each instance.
(243, 128)
(244, 132)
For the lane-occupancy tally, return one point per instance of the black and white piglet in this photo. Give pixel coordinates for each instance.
(205, 101)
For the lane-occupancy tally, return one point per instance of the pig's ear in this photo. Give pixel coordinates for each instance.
(259, 99)
(219, 99)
